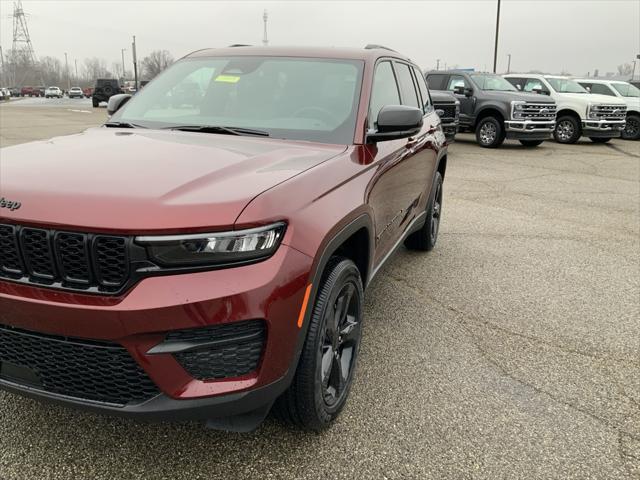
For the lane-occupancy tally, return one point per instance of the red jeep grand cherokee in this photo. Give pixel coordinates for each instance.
(203, 255)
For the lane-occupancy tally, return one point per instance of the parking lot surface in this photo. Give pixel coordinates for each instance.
(510, 351)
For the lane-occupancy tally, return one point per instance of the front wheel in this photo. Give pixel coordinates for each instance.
(323, 378)
(531, 143)
(425, 238)
(95, 102)
(489, 132)
(632, 128)
(567, 130)
(599, 139)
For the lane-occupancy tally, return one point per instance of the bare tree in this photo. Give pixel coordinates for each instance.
(625, 69)
(95, 68)
(155, 63)
(51, 70)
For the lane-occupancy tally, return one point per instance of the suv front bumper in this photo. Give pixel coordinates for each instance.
(603, 128)
(142, 318)
(528, 129)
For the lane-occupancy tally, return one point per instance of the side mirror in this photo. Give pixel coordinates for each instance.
(116, 102)
(440, 112)
(468, 92)
(539, 91)
(396, 121)
(588, 89)
(519, 87)
(458, 89)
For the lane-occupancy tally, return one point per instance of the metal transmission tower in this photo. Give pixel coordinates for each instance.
(265, 17)
(22, 48)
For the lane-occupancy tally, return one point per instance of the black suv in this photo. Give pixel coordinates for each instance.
(493, 108)
(105, 88)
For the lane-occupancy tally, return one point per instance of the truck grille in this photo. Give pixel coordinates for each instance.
(608, 112)
(449, 109)
(233, 349)
(538, 112)
(84, 369)
(75, 261)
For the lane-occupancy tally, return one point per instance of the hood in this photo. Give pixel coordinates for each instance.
(140, 180)
(518, 96)
(593, 98)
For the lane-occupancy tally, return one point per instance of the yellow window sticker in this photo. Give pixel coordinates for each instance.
(227, 78)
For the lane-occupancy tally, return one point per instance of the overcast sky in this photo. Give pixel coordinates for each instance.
(550, 35)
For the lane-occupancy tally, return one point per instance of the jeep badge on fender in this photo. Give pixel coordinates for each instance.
(4, 203)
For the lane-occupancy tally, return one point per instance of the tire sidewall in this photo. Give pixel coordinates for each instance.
(576, 130)
(339, 275)
(636, 119)
(499, 132)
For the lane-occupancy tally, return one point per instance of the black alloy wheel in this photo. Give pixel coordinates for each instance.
(632, 128)
(426, 237)
(325, 371)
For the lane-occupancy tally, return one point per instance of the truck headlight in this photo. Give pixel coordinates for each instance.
(592, 111)
(217, 248)
(516, 109)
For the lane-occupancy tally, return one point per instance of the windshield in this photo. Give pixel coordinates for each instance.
(487, 81)
(295, 98)
(626, 89)
(562, 85)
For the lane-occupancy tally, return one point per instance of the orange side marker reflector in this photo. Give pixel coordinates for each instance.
(303, 310)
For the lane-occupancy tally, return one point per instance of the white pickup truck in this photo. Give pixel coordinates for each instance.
(624, 91)
(580, 113)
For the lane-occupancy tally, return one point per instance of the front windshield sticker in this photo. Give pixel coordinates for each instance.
(227, 78)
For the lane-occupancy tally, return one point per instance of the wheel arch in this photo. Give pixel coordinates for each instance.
(490, 111)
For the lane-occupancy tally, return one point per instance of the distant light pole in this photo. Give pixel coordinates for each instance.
(438, 64)
(495, 50)
(76, 62)
(509, 63)
(265, 17)
(135, 63)
(123, 69)
(66, 63)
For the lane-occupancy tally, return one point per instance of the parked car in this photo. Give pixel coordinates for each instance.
(39, 91)
(105, 88)
(595, 116)
(53, 92)
(87, 91)
(448, 108)
(27, 92)
(15, 91)
(75, 92)
(233, 277)
(624, 91)
(493, 109)
(5, 94)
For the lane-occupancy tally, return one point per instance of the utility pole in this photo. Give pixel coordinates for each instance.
(66, 66)
(509, 63)
(76, 62)
(438, 64)
(495, 50)
(265, 17)
(123, 69)
(135, 63)
(4, 74)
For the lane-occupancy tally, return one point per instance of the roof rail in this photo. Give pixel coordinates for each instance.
(371, 46)
(240, 45)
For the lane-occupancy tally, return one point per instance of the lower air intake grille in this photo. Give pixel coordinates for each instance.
(227, 351)
(88, 370)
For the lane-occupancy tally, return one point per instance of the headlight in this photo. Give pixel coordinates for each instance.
(516, 109)
(592, 111)
(219, 248)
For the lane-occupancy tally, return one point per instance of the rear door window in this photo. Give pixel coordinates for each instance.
(410, 96)
(424, 91)
(601, 89)
(437, 81)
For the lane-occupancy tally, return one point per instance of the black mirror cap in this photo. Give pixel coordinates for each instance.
(396, 121)
(116, 102)
(459, 90)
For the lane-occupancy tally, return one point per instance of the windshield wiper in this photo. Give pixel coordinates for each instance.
(122, 125)
(220, 129)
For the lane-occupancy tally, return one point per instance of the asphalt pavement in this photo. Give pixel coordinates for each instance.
(511, 351)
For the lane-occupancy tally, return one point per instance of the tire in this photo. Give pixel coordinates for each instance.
(489, 132)
(308, 403)
(425, 238)
(567, 130)
(632, 128)
(95, 102)
(531, 143)
(599, 139)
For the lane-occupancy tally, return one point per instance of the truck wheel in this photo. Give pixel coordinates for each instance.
(567, 130)
(95, 102)
(489, 133)
(425, 238)
(323, 378)
(632, 128)
(599, 140)
(531, 143)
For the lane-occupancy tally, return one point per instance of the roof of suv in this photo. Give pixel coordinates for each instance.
(370, 54)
